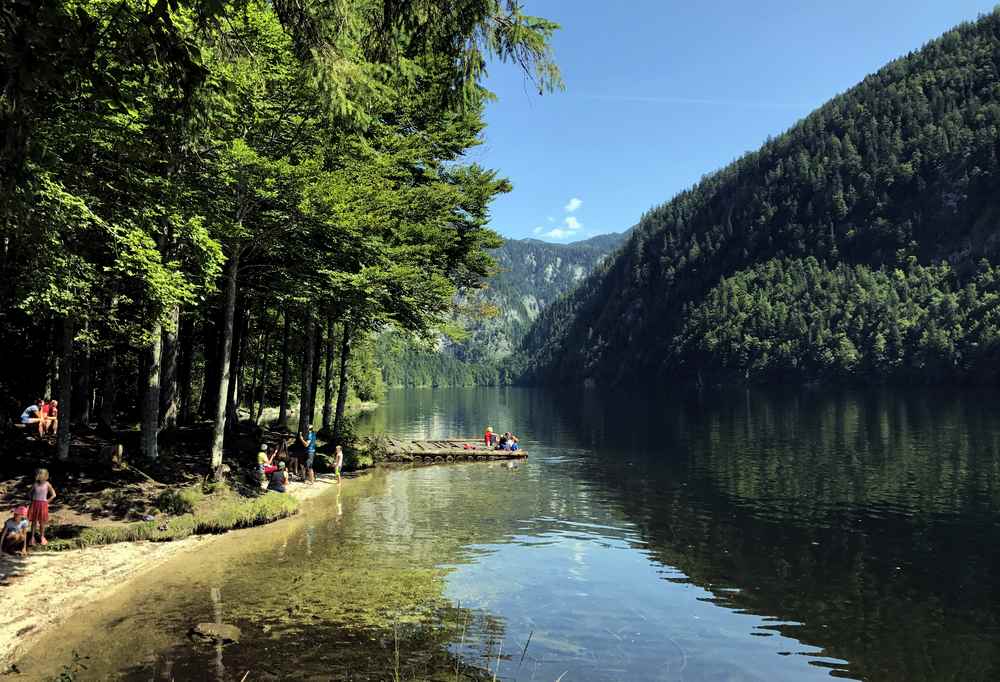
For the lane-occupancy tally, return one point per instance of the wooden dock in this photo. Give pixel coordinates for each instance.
(447, 450)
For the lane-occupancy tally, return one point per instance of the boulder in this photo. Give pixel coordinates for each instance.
(217, 633)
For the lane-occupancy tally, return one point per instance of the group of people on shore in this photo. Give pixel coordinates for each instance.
(507, 441)
(44, 413)
(273, 465)
(19, 530)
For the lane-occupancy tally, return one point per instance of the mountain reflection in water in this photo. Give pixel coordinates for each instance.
(738, 535)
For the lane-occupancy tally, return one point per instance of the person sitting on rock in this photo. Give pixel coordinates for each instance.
(279, 479)
(265, 463)
(33, 415)
(50, 417)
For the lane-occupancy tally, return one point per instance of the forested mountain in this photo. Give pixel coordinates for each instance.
(901, 170)
(531, 274)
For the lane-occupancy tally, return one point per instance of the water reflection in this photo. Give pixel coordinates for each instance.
(862, 524)
(719, 536)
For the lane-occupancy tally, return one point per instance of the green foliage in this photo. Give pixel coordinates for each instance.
(221, 512)
(237, 160)
(179, 501)
(904, 164)
(797, 319)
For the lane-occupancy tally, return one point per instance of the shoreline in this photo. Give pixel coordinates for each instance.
(47, 588)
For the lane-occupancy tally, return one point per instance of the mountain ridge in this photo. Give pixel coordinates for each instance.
(532, 273)
(902, 165)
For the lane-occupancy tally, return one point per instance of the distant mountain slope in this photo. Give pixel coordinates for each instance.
(532, 274)
(904, 164)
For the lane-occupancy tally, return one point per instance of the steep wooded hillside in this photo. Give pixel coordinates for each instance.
(903, 165)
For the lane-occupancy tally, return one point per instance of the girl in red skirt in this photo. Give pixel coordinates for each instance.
(42, 493)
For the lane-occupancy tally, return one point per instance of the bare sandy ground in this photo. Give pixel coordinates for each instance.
(46, 588)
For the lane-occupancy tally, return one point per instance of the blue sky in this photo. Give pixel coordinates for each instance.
(660, 93)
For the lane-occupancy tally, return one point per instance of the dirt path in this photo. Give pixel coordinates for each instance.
(44, 589)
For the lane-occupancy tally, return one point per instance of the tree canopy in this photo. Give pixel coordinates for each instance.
(185, 177)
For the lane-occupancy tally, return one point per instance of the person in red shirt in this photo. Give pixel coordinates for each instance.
(488, 436)
(50, 417)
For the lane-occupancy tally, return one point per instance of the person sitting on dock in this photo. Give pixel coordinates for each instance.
(503, 442)
(279, 479)
(515, 445)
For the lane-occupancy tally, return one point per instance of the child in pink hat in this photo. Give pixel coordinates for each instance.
(15, 532)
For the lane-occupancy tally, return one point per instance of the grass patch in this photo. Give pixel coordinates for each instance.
(218, 512)
(180, 501)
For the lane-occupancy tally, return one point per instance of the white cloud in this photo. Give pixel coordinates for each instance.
(569, 228)
(538, 230)
(558, 233)
(573, 204)
(551, 219)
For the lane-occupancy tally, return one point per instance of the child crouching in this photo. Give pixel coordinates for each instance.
(14, 538)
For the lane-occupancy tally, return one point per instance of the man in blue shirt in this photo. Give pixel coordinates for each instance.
(33, 415)
(309, 442)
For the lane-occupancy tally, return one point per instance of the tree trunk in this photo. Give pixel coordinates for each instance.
(213, 341)
(51, 385)
(150, 399)
(260, 383)
(283, 405)
(328, 378)
(65, 389)
(345, 355)
(251, 398)
(307, 360)
(168, 373)
(106, 415)
(241, 358)
(81, 388)
(317, 362)
(229, 306)
(184, 362)
(232, 397)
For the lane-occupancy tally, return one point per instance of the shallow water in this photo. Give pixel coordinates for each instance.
(739, 535)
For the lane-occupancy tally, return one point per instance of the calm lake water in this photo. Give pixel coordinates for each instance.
(736, 535)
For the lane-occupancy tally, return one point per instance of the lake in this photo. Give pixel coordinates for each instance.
(789, 534)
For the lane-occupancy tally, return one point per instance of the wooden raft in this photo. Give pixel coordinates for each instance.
(447, 450)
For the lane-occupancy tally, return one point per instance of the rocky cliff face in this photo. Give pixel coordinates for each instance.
(532, 274)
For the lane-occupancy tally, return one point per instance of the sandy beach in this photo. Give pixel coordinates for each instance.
(46, 588)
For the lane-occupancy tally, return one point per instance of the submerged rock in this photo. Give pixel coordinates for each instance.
(219, 633)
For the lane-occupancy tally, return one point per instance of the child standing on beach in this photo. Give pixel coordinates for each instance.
(15, 532)
(338, 462)
(42, 493)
